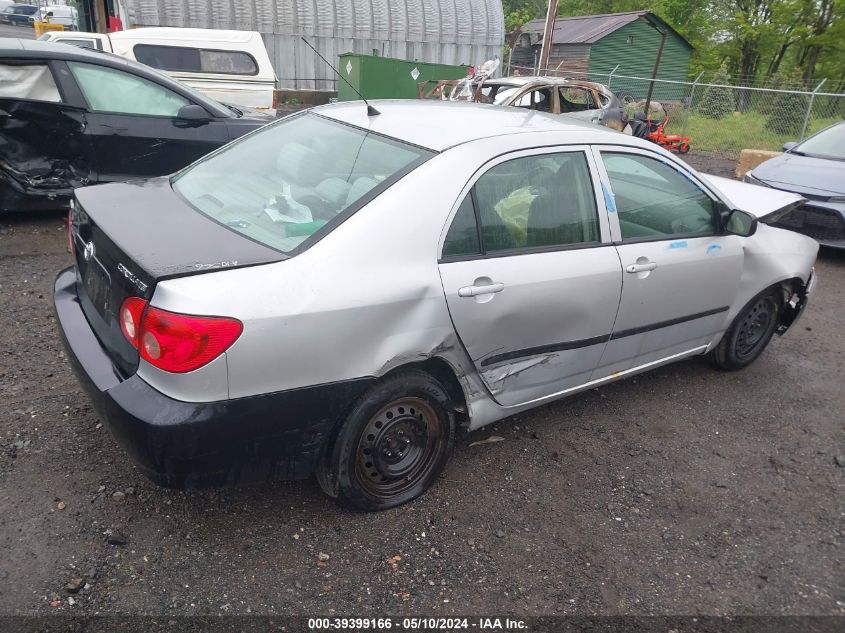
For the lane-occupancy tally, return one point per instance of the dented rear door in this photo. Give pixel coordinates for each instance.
(533, 294)
(44, 151)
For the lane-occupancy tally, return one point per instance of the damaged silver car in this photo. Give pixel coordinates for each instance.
(584, 100)
(345, 290)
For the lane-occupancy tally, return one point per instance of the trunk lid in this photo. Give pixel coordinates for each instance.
(765, 203)
(129, 236)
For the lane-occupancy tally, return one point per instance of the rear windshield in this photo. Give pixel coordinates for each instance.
(295, 178)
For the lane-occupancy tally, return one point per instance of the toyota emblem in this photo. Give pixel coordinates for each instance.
(88, 253)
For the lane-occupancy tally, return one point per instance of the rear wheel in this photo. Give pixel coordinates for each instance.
(393, 445)
(750, 332)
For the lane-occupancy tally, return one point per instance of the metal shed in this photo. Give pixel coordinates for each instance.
(439, 31)
(595, 44)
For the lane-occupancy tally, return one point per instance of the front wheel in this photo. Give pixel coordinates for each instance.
(750, 332)
(393, 446)
(683, 148)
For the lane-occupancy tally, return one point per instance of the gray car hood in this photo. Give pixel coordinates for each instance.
(804, 174)
(764, 203)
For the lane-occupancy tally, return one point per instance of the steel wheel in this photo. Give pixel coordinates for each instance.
(750, 331)
(398, 448)
(393, 445)
(754, 327)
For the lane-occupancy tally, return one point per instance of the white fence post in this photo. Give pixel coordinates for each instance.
(610, 76)
(689, 107)
(809, 108)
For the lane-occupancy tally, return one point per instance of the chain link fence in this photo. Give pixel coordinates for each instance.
(720, 119)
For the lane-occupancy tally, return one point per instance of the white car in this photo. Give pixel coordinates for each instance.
(229, 66)
(341, 292)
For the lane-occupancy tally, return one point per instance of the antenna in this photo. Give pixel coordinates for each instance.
(371, 111)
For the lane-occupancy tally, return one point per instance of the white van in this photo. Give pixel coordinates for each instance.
(229, 66)
(57, 14)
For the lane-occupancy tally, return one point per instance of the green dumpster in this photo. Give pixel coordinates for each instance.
(387, 78)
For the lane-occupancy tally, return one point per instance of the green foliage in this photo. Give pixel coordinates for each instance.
(718, 101)
(787, 111)
(516, 18)
(759, 38)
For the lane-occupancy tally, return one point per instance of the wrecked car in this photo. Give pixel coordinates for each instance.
(346, 289)
(70, 117)
(815, 169)
(585, 100)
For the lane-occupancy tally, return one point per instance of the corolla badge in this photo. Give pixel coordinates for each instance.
(89, 251)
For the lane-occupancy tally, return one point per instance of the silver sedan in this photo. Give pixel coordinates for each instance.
(342, 292)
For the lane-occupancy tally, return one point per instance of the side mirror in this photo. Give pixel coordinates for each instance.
(789, 145)
(193, 112)
(736, 222)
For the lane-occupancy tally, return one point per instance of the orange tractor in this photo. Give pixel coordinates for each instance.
(655, 131)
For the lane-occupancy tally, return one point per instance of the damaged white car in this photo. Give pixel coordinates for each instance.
(342, 291)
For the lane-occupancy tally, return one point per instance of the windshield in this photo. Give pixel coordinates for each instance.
(829, 143)
(287, 181)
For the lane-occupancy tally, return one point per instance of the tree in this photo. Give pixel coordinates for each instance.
(788, 109)
(718, 100)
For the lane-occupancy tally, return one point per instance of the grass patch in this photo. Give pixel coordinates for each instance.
(736, 131)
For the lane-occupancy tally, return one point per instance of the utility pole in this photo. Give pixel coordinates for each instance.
(548, 37)
(656, 67)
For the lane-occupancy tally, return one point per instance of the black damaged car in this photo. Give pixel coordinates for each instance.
(71, 117)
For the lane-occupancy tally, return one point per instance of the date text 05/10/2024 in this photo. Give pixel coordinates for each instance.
(416, 624)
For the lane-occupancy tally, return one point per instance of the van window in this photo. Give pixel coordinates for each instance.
(195, 60)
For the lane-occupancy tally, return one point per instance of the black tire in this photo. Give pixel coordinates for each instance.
(750, 332)
(392, 446)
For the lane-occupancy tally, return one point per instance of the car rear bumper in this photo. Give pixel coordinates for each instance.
(189, 444)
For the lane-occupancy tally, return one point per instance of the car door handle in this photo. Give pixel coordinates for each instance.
(474, 291)
(641, 268)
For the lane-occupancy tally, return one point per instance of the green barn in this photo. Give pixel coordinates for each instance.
(593, 45)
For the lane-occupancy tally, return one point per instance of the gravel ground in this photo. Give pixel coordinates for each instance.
(684, 491)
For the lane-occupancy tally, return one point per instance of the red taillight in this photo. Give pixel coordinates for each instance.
(175, 342)
(275, 99)
(130, 318)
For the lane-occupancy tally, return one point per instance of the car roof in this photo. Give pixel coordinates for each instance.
(438, 125)
(41, 50)
(523, 80)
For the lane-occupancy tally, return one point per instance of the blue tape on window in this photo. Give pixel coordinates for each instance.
(609, 202)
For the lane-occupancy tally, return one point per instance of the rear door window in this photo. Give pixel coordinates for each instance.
(28, 81)
(110, 90)
(532, 202)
